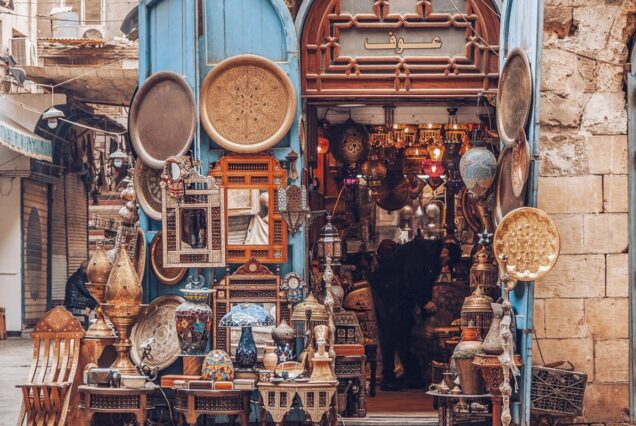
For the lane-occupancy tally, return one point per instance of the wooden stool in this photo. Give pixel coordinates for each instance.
(114, 401)
(3, 324)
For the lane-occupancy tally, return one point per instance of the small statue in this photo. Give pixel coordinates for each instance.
(322, 360)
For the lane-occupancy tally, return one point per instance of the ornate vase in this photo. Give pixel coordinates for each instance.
(478, 167)
(492, 344)
(98, 271)
(218, 366)
(246, 354)
(194, 320)
(270, 359)
(464, 355)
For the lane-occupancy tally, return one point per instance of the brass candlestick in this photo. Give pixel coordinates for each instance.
(98, 271)
(123, 294)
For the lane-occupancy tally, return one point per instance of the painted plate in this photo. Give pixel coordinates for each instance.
(162, 118)
(167, 276)
(529, 239)
(514, 95)
(505, 198)
(158, 324)
(248, 104)
(520, 163)
(148, 189)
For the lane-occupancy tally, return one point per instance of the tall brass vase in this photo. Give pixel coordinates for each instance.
(98, 271)
(123, 294)
(464, 355)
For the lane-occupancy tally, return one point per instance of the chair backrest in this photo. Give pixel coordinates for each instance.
(56, 347)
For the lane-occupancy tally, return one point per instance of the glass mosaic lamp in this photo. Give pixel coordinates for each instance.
(246, 316)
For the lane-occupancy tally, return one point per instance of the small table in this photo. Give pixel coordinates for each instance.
(192, 403)
(353, 367)
(447, 402)
(94, 400)
(317, 399)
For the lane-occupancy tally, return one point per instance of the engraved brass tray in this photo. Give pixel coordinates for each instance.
(248, 104)
(158, 324)
(148, 189)
(162, 118)
(505, 198)
(167, 276)
(529, 239)
(520, 163)
(514, 95)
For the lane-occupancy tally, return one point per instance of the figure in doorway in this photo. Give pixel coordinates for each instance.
(76, 296)
(402, 281)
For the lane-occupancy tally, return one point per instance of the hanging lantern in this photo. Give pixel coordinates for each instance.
(351, 178)
(323, 141)
(329, 243)
(478, 168)
(293, 207)
(374, 170)
(432, 168)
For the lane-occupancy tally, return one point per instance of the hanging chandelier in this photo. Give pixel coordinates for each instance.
(293, 207)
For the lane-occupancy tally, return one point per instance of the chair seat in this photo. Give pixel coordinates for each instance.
(48, 385)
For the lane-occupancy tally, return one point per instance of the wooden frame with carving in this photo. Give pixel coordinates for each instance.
(200, 193)
(253, 229)
(252, 282)
(329, 71)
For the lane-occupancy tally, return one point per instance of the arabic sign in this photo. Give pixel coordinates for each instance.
(359, 42)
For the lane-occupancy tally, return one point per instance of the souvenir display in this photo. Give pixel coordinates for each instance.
(167, 276)
(148, 189)
(194, 317)
(193, 223)
(98, 271)
(162, 118)
(514, 95)
(157, 329)
(217, 366)
(520, 162)
(248, 104)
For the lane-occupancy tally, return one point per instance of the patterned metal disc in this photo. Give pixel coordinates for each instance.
(248, 104)
(148, 189)
(529, 239)
(514, 96)
(505, 198)
(168, 276)
(520, 162)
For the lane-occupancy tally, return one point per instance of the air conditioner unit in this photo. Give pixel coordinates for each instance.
(23, 50)
(97, 32)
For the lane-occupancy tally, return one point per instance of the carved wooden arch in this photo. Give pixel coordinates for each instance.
(328, 73)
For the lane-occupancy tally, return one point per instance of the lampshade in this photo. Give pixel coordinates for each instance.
(432, 168)
(478, 167)
(247, 315)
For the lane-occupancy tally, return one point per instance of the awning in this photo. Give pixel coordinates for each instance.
(109, 86)
(22, 141)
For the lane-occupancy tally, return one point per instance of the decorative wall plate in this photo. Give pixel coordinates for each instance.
(505, 198)
(248, 104)
(529, 239)
(148, 189)
(158, 324)
(167, 276)
(520, 162)
(393, 192)
(514, 95)
(162, 118)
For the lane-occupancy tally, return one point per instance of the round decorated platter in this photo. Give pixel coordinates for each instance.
(514, 95)
(520, 162)
(167, 276)
(148, 189)
(505, 198)
(248, 104)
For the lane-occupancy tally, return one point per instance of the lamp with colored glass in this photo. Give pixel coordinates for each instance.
(246, 316)
(329, 244)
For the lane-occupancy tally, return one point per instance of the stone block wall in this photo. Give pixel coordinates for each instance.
(581, 310)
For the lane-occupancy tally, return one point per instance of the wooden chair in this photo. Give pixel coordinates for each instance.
(56, 350)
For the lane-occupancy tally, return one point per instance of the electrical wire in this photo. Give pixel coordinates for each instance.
(49, 18)
(488, 46)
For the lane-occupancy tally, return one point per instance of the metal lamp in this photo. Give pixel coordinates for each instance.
(293, 207)
(119, 158)
(329, 244)
(52, 115)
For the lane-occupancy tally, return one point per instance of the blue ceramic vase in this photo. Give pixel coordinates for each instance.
(246, 351)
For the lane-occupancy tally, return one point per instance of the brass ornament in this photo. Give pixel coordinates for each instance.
(148, 189)
(98, 271)
(99, 266)
(514, 95)
(248, 104)
(123, 286)
(527, 242)
(167, 276)
(520, 163)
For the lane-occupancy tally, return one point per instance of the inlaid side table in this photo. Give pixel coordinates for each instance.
(95, 400)
(317, 399)
(192, 403)
(353, 367)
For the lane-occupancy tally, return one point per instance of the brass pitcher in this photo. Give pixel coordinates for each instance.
(464, 354)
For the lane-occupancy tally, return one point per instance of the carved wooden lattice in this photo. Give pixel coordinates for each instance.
(400, 48)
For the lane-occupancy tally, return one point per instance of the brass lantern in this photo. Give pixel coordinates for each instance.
(329, 244)
(374, 170)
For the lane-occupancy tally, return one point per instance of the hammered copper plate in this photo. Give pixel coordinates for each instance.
(140, 254)
(248, 104)
(520, 162)
(505, 198)
(529, 239)
(148, 189)
(167, 276)
(162, 118)
(514, 95)
(158, 323)
(393, 192)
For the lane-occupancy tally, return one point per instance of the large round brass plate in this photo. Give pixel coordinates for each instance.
(393, 193)
(158, 324)
(148, 189)
(520, 162)
(162, 118)
(529, 239)
(248, 104)
(505, 198)
(514, 96)
(168, 276)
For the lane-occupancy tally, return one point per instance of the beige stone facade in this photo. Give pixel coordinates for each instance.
(581, 311)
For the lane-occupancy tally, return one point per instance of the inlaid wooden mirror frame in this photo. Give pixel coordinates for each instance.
(250, 183)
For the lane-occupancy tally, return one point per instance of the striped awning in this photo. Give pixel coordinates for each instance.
(19, 139)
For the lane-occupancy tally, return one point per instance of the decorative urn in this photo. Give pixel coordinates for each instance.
(464, 355)
(194, 317)
(98, 271)
(217, 366)
(478, 167)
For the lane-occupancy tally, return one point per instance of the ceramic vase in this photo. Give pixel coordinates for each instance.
(194, 320)
(217, 366)
(478, 167)
(246, 351)
(464, 355)
(492, 344)
(270, 359)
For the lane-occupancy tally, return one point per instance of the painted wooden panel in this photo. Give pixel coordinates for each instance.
(522, 27)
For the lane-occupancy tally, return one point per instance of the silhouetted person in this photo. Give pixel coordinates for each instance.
(76, 295)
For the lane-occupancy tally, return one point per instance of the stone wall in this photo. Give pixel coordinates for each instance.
(581, 310)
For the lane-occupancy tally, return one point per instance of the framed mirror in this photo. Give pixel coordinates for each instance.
(193, 220)
(255, 228)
